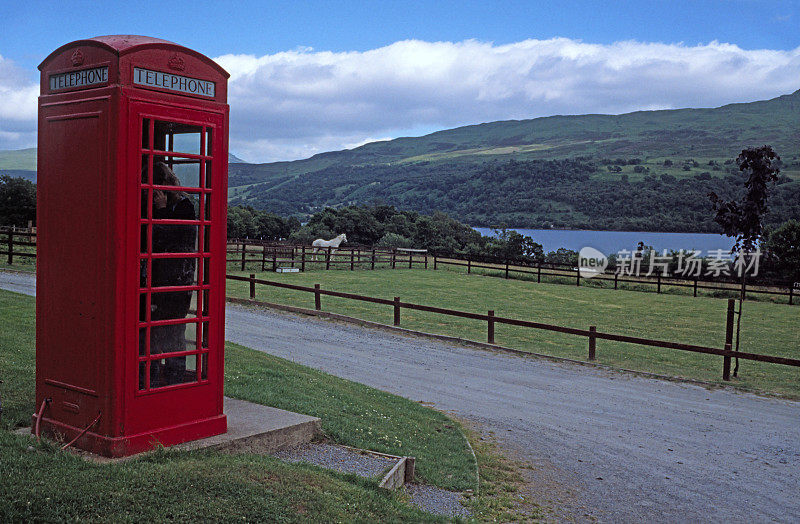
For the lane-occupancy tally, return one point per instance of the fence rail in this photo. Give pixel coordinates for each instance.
(266, 255)
(491, 319)
(11, 241)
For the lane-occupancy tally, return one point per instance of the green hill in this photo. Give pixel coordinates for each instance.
(18, 159)
(647, 170)
(641, 170)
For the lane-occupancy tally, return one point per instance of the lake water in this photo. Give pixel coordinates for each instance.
(610, 242)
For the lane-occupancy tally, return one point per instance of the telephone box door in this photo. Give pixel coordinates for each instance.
(174, 363)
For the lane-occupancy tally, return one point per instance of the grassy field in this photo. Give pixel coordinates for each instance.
(41, 483)
(766, 328)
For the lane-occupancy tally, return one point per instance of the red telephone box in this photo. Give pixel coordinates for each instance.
(132, 187)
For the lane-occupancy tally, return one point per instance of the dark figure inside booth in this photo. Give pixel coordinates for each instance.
(180, 271)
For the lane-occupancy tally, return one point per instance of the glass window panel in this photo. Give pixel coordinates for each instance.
(209, 174)
(146, 133)
(209, 142)
(180, 138)
(169, 339)
(143, 203)
(207, 239)
(175, 205)
(207, 206)
(143, 238)
(191, 364)
(204, 366)
(206, 270)
(143, 307)
(206, 302)
(142, 374)
(191, 336)
(170, 305)
(204, 329)
(145, 169)
(173, 370)
(142, 341)
(187, 171)
(174, 272)
(174, 238)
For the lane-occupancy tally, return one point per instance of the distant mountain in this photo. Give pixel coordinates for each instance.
(647, 170)
(710, 133)
(233, 159)
(18, 159)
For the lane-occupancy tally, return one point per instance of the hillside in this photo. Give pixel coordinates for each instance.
(641, 170)
(647, 170)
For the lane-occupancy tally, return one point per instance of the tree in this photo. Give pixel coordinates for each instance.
(743, 219)
(17, 201)
(782, 248)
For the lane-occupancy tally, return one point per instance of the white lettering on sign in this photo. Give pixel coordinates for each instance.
(82, 78)
(184, 84)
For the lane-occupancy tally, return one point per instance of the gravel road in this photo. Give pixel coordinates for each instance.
(603, 446)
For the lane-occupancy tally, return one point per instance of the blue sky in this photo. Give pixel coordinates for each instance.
(423, 66)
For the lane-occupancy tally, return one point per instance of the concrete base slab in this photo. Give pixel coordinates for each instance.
(252, 428)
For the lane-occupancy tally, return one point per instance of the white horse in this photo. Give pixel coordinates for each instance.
(321, 245)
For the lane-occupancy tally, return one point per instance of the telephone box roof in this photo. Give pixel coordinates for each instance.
(124, 44)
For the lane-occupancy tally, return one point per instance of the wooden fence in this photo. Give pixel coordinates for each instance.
(725, 351)
(657, 282)
(271, 256)
(13, 242)
(249, 254)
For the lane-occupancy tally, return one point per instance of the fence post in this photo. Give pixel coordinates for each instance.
(791, 293)
(490, 336)
(726, 361)
(393, 258)
(317, 298)
(351, 259)
(252, 286)
(578, 276)
(695, 287)
(328, 258)
(506, 268)
(372, 260)
(303, 260)
(244, 253)
(292, 256)
(410, 259)
(396, 311)
(616, 277)
(426, 261)
(726, 365)
(435, 263)
(10, 246)
(658, 286)
(592, 342)
(539, 273)
(275, 259)
(263, 257)
(469, 266)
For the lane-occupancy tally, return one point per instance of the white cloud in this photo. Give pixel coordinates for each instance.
(17, 106)
(288, 104)
(296, 103)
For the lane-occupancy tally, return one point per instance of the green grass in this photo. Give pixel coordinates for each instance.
(355, 415)
(766, 328)
(41, 483)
